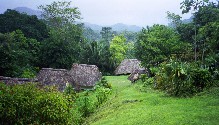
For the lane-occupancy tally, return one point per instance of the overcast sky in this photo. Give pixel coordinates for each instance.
(108, 12)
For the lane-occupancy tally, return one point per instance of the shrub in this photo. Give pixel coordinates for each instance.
(29, 72)
(102, 91)
(143, 77)
(89, 100)
(146, 80)
(201, 78)
(70, 92)
(103, 83)
(154, 71)
(85, 105)
(27, 104)
(149, 81)
(102, 95)
(182, 79)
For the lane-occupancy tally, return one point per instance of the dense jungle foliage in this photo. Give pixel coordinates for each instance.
(182, 59)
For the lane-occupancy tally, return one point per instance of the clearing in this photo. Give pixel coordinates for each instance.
(133, 105)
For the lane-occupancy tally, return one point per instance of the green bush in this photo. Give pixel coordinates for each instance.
(29, 72)
(34, 104)
(27, 104)
(102, 91)
(102, 95)
(154, 71)
(182, 79)
(88, 101)
(215, 75)
(201, 78)
(146, 80)
(149, 81)
(143, 77)
(85, 104)
(103, 83)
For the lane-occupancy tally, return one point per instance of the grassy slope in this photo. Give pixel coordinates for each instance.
(153, 107)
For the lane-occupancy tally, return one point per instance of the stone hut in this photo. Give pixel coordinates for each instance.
(84, 76)
(56, 77)
(128, 66)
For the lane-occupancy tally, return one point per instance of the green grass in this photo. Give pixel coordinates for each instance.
(128, 105)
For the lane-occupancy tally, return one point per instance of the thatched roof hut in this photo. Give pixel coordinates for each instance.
(134, 76)
(56, 77)
(84, 76)
(128, 66)
(81, 76)
(13, 81)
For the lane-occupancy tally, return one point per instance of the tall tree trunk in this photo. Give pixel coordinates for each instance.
(203, 52)
(195, 43)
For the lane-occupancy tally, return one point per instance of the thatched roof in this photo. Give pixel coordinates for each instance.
(134, 76)
(84, 76)
(13, 81)
(57, 77)
(128, 66)
(80, 76)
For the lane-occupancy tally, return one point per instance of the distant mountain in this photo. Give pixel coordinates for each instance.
(28, 11)
(119, 27)
(94, 27)
(122, 27)
(188, 20)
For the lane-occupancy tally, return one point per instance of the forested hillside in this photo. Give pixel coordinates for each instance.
(181, 59)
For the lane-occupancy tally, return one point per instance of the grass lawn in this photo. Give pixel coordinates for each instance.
(129, 105)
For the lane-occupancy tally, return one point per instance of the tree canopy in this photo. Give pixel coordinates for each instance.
(62, 48)
(157, 44)
(31, 26)
(59, 14)
(118, 49)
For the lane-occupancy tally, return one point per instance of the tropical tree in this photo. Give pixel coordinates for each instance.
(194, 5)
(59, 14)
(159, 43)
(91, 35)
(62, 48)
(31, 26)
(130, 36)
(107, 34)
(118, 49)
(130, 53)
(97, 53)
(205, 17)
(175, 20)
(18, 54)
(209, 43)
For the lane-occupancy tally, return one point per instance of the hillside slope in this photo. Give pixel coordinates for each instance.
(29, 11)
(130, 106)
